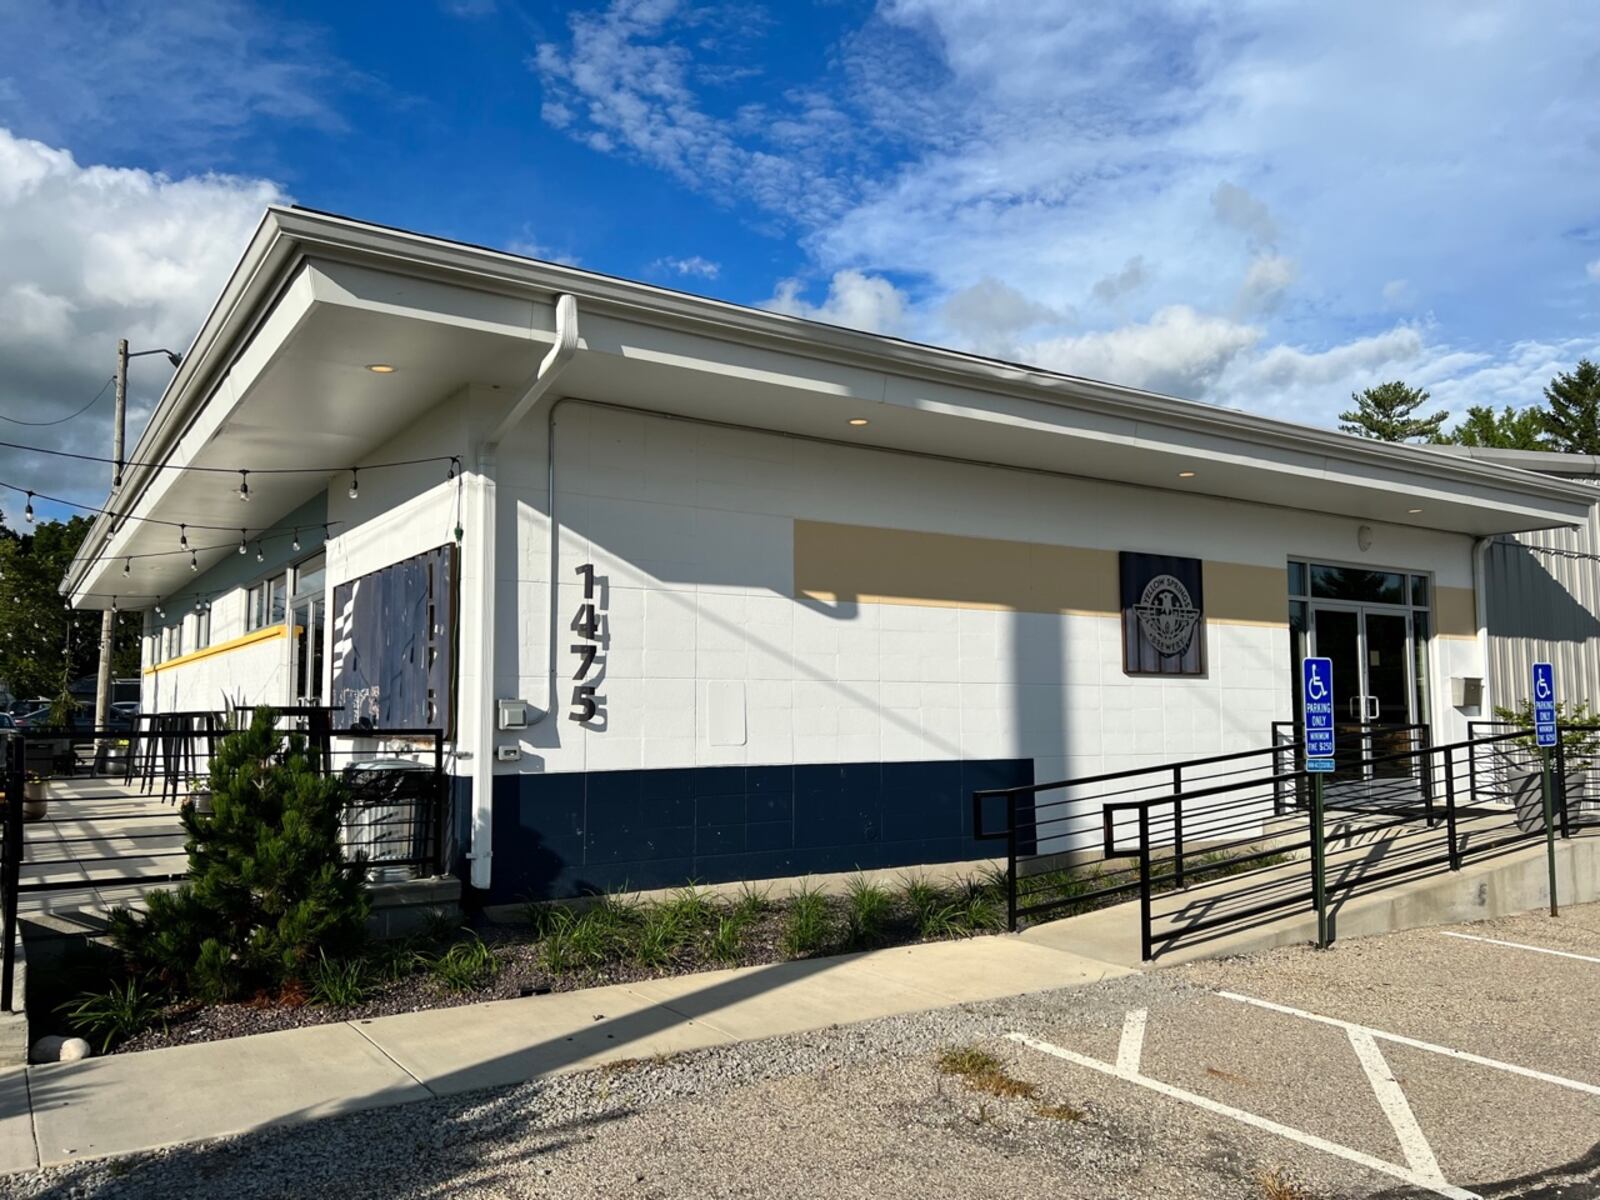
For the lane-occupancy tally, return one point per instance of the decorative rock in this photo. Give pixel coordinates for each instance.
(74, 1049)
(48, 1049)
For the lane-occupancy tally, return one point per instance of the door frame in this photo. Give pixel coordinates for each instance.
(1360, 609)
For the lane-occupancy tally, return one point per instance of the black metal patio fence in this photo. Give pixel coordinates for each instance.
(109, 819)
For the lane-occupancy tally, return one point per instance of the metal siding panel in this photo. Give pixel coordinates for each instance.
(1545, 606)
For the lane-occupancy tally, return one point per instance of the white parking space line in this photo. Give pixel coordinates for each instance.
(1131, 1048)
(1395, 1106)
(1468, 937)
(1576, 1085)
(1393, 1170)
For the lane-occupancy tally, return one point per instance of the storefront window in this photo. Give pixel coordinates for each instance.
(1354, 583)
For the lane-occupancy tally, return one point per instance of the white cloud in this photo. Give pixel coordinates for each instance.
(187, 79)
(1265, 282)
(1178, 351)
(89, 254)
(694, 265)
(1593, 270)
(988, 316)
(1238, 209)
(1112, 288)
(855, 300)
(1398, 293)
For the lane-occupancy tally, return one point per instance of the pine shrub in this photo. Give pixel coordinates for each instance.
(269, 891)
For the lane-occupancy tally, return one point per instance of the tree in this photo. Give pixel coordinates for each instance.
(1573, 416)
(269, 890)
(1385, 413)
(44, 645)
(1508, 429)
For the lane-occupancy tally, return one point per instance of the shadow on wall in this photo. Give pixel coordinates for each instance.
(1527, 601)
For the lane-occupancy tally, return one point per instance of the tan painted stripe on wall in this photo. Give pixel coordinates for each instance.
(873, 565)
(1241, 594)
(944, 570)
(1454, 613)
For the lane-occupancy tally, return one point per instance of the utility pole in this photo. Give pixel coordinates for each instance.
(108, 619)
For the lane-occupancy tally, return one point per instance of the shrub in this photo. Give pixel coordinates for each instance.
(727, 940)
(580, 941)
(269, 890)
(752, 902)
(659, 937)
(114, 1015)
(692, 909)
(806, 929)
(867, 909)
(466, 966)
(340, 983)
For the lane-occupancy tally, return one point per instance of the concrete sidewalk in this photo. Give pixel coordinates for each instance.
(67, 1112)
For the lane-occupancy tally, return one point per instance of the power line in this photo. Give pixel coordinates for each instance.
(61, 420)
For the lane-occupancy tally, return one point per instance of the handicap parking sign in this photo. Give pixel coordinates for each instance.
(1544, 704)
(1316, 702)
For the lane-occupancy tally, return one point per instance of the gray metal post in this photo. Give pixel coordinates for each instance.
(1319, 864)
(1549, 828)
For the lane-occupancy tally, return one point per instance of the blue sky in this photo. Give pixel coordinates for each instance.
(1251, 203)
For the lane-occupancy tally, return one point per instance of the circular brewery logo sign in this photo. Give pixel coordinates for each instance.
(1167, 615)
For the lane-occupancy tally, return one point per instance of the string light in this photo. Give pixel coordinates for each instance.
(159, 613)
(194, 563)
(244, 486)
(243, 549)
(127, 567)
(451, 473)
(355, 484)
(260, 557)
(295, 545)
(27, 513)
(183, 536)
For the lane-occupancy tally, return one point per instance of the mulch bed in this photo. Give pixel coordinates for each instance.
(517, 950)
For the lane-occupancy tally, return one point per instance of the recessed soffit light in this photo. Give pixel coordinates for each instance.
(380, 368)
(1413, 511)
(858, 421)
(1185, 474)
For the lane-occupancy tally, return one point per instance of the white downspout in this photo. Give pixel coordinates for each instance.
(483, 741)
(1480, 605)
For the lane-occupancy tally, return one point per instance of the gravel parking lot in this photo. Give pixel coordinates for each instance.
(1416, 1064)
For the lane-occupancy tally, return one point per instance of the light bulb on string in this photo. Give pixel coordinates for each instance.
(451, 473)
(183, 537)
(260, 557)
(244, 486)
(355, 484)
(295, 545)
(127, 567)
(27, 513)
(194, 563)
(243, 549)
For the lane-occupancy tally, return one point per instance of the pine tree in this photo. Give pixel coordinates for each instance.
(1385, 414)
(1508, 429)
(268, 888)
(1573, 418)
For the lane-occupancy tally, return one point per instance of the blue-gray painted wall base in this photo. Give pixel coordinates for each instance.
(562, 835)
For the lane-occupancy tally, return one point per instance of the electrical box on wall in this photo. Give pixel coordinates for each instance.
(507, 753)
(513, 714)
(1466, 691)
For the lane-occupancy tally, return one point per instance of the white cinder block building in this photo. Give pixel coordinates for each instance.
(699, 591)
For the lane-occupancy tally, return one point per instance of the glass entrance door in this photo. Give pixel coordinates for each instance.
(1371, 654)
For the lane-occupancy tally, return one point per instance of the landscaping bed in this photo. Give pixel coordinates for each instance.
(559, 948)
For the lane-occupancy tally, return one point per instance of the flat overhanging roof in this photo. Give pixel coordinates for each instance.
(277, 377)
